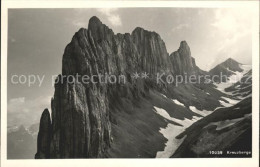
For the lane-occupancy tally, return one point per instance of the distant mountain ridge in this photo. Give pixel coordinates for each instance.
(229, 64)
(22, 142)
(226, 68)
(228, 128)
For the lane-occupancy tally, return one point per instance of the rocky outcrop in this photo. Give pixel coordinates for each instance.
(81, 126)
(43, 140)
(152, 53)
(182, 60)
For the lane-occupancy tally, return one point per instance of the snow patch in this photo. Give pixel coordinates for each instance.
(245, 87)
(185, 123)
(231, 101)
(171, 131)
(164, 95)
(237, 76)
(245, 67)
(223, 104)
(226, 123)
(202, 113)
(177, 102)
(231, 80)
(241, 97)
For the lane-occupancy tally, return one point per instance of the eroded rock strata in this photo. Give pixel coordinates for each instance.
(85, 117)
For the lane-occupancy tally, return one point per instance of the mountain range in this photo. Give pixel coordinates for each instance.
(142, 118)
(22, 141)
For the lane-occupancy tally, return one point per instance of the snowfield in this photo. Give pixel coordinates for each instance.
(202, 113)
(231, 101)
(171, 131)
(233, 79)
(177, 102)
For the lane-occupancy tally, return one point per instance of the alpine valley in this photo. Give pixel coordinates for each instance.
(140, 118)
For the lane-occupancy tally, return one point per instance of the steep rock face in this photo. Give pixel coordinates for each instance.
(68, 119)
(153, 56)
(182, 60)
(81, 122)
(115, 54)
(44, 135)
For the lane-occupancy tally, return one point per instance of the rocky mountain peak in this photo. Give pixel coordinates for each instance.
(184, 50)
(45, 113)
(228, 67)
(184, 45)
(94, 20)
(232, 65)
(140, 30)
(231, 60)
(95, 24)
(182, 60)
(81, 126)
(98, 30)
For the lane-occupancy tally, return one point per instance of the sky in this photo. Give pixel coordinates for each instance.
(37, 38)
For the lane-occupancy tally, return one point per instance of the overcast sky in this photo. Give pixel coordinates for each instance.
(37, 38)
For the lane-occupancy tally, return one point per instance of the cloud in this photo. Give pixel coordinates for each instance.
(180, 27)
(23, 111)
(232, 24)
(15, 104)
(115, 20)
(232, 33)
(232, 20)
(225, 21)
(79, 23)
(111, 15)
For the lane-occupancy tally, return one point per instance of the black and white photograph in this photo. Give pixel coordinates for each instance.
(125, 83)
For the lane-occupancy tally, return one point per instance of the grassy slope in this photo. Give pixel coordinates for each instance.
(135, 125)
